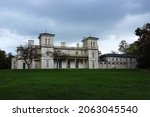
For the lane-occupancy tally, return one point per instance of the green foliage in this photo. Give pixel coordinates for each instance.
(143, 45)
(5, 60)
(123, 47)
(133, 48)
(74, 84)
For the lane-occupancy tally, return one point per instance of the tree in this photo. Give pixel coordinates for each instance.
(143, 45)
(28, 53)
(133, 48)
(5, 60)
(114, 52)
(9, 56)
(123, 47)
(57, 55)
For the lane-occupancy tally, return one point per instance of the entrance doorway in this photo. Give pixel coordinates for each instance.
(24, 65)
(60, 64)
(77, 64)
(68, 64)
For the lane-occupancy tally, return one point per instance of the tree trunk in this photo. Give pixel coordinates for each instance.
(28, 66)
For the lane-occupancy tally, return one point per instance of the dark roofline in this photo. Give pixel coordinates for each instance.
(118, 55)
(91, 38)
(46, 34)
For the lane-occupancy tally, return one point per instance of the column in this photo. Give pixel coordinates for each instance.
(83, 63)
(75, 62)
(66, 63)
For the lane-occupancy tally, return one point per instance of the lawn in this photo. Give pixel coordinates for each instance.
(74, 84)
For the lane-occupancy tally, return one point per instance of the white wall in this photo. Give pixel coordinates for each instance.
(93, 59)
(123, 63)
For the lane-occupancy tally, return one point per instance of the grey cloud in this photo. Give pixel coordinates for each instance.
(68, 19)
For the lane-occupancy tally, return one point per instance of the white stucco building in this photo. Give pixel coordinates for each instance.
(117, 61)
(84, 56)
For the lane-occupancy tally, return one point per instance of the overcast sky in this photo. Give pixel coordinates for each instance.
(70, 20)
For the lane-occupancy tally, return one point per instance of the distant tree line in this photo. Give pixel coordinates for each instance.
(5, 60)
(139, 48)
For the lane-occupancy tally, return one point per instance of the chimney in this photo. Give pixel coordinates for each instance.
(63, 44)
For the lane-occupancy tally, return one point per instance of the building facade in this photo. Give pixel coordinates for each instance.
(85, 56)
(63, 57)
(117, 61)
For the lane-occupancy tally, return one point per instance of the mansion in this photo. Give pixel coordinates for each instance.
(85, 56)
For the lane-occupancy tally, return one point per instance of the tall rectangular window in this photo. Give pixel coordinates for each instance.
(45, 41)
(112, 59)
(49, 41)
(116, 59)
(93, 44)
(93, 64)
(76, 52)
(93, 54)
(47, 63)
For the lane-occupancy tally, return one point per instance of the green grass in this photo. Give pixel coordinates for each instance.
(74, 84)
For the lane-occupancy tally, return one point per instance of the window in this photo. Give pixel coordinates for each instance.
(130, 59)
(14, 64)
(93, 65)
(116, 59)
(93, 44)
(93, 54)
(47, 63)
(48, 41)
(76, 52)
(68, 64)
(112, 59)
(45, 41)
(77, 64)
